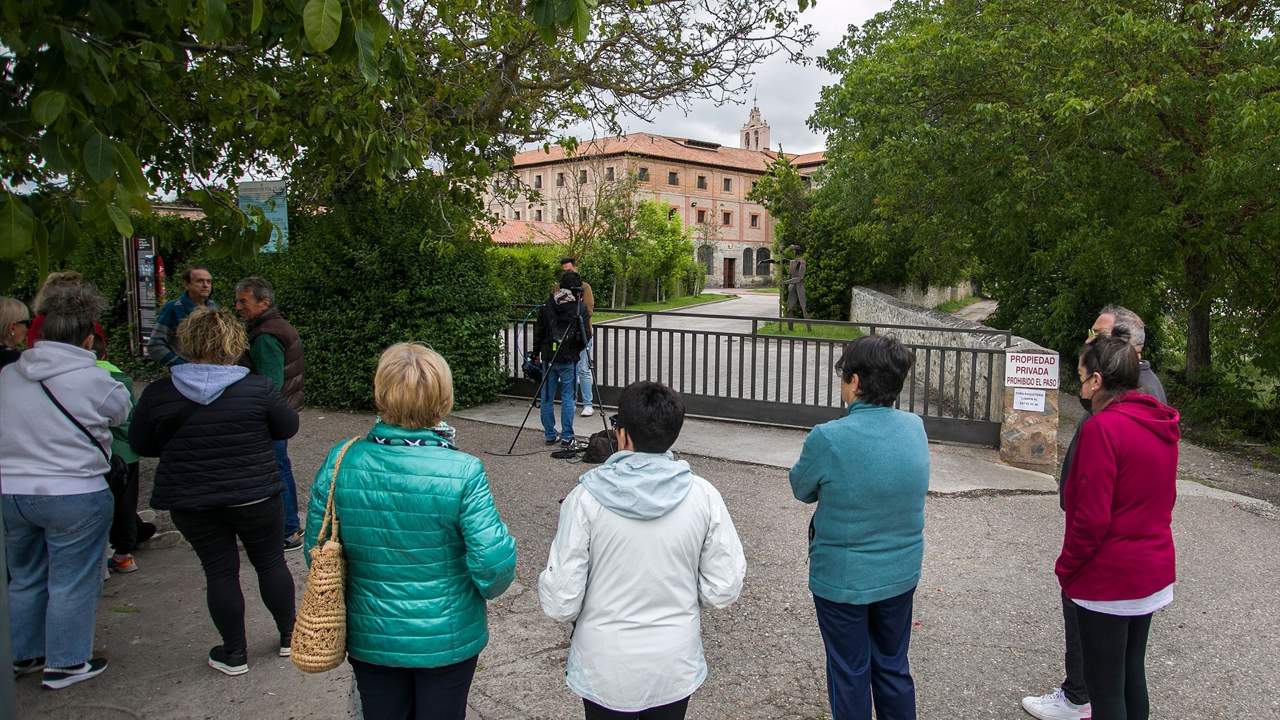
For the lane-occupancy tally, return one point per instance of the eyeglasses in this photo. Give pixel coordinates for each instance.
(24, 323)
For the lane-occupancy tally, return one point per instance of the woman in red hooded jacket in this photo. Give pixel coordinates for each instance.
(1117, 561)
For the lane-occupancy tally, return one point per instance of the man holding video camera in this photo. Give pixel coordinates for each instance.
(561, 334)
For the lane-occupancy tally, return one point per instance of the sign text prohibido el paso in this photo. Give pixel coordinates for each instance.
(1029, 370)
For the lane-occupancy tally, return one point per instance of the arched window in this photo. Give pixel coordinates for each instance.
(746, 140)
(748, 266)
(757, 139)
(706, 256)
(762, 259)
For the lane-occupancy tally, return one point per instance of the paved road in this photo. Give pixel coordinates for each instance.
(746, 304)
(987, 619)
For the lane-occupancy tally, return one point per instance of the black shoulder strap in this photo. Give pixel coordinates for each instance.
(92, 440)
(172, 427)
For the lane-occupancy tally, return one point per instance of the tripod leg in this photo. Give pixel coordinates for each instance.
(532, 404)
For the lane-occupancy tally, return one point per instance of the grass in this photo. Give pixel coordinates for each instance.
(951, 306)
(820, 332)
(683, 301)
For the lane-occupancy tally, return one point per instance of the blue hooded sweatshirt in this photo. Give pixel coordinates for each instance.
(637, 485)
(204, 383)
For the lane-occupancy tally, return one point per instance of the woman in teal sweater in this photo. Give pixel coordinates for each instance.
(424, 546)
(869, 474)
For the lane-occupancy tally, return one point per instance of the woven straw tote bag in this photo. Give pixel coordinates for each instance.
(320, 629)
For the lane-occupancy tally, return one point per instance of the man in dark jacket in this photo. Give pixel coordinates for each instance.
(1071, 700)
(561, 334)
(275, 352)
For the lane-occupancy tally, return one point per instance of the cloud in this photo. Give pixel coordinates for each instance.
(787, 92)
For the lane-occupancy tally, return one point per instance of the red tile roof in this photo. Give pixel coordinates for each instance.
(521, 232)
(662, 147)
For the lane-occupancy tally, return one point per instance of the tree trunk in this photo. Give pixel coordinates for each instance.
(1199, 357)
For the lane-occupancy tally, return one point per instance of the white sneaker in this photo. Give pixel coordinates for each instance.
(1055, 706)
(588, 411)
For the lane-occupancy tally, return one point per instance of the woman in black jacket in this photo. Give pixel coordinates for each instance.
(213, 427)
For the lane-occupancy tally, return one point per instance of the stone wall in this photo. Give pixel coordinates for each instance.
(928, 297)
(1027, 437)
(873, 306)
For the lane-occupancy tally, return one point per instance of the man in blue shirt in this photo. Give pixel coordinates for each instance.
(162, 346)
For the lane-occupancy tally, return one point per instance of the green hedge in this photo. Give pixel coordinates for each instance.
(370, 271)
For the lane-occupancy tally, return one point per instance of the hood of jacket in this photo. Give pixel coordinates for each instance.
(1149, 412)
(637, 485)
(47, 359)
(204, 383)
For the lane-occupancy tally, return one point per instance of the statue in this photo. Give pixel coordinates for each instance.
(795, 288)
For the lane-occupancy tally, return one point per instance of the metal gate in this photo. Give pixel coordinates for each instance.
(955, 387)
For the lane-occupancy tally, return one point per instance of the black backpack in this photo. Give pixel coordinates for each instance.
(600, 446)
(566, 328)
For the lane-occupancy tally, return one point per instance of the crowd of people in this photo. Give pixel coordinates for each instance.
(643, 543)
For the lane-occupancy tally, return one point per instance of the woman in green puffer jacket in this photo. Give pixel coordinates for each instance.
(424, 545)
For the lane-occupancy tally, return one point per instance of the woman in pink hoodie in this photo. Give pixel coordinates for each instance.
(1117, 561)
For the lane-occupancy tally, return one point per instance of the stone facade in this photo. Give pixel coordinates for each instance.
(704, 184)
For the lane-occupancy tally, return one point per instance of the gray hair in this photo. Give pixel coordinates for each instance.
(1128, 325)
(12, 311)
(260, 288)
(69, 313)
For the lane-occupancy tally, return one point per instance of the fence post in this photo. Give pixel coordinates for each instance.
(1029, 429)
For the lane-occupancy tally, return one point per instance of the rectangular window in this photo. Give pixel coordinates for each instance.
(727, 218)
(559, 214)
(608, 173)
(671, 213)
(728, 185)
(582, 214)
(559, 179)
(643, 175)
(673, 178)
(582, 177)
(517, 214)
(702, 182)
(537, 215)
(702, 216)
(755, 220)
(537, 182)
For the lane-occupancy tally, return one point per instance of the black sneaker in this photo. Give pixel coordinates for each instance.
(286, 646)
(27, 667)
(293, 542)
(146, 531)
(566, 444)
(224, 662)
(58, 678)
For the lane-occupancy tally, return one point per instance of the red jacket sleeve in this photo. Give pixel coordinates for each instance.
(1090, 490)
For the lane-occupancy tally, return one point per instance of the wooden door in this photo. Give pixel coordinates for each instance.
(729, 280)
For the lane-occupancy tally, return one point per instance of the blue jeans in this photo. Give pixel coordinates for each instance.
(584, 374)
(560, 376)
(867, 657)
(290, 495)
(54, 545)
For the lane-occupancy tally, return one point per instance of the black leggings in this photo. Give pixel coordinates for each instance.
(671, 711)
(260, 527)
(1115, 655)
(397, 693)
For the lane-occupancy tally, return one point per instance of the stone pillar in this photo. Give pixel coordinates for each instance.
(1029, 436)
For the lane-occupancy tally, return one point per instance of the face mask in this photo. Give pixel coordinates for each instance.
(1087, 404)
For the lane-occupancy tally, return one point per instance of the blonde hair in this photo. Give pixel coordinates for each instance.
(53, 281)
(212, 337)
(12, 311)
(413, 386)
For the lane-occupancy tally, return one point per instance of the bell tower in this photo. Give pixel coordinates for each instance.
(755, 133)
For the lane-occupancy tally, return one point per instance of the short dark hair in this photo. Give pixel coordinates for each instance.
(570, 280)
(186, 274)
(881, 363)
(1115, 359)
(69, 313)
(568, 261)
(652, 414)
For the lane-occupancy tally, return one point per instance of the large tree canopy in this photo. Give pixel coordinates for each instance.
(106, 104)
(1079, 152)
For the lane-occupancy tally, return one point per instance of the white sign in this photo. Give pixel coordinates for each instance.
(1032, 400)
(1027, 370)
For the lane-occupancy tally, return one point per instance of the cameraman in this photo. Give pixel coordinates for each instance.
(561, 334)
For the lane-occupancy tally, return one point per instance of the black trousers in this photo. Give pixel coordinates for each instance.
(1073, 686)
(1115, 657)
(395, 693)
(212, 534)
(670, 711)
(124, 515)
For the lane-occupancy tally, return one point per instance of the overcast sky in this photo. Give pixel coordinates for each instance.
(787, 92)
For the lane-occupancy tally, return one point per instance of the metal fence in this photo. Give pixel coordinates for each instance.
(782, 380)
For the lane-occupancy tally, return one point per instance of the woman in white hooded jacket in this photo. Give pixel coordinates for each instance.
(657, 543)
